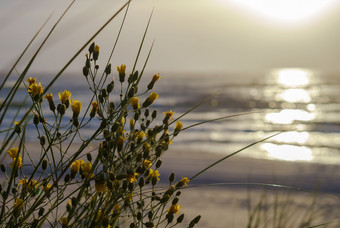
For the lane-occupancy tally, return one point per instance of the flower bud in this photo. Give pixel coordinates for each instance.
(86, 71)
(121, 71)
(133, 77)
(154, 79)
(154, 114)
(194, 221)
(158, 164)
(180, 218)
(108, 69)
(170, 217)
(96, 52)
(42, 140)
(172, 177)
(44, 164)
(89, 157)
(152, 97)
(110, 87)
(41, 211)
(91, 48)
(61, 109)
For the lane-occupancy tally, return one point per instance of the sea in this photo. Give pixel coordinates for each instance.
(233, 111)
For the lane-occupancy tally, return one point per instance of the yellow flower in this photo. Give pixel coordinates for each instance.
(33, 184)
(64, 221)
(18, 204)
(116, 207)
(153, 174)
(86, 168)
(121, 69)
(152, 97)
(174, 209)
(155, 77)
(49, 97)
(132, 123)
(76, 106)
(146, 147)
(147, 164)
(132, 177)
(94, 105)
(64, 96)
(178, 126)
(129, 197)
(140, 135)
(35, 89)
(168, 114)
(18, 164)
(135, 103)
(31, 80)
(185, 181)
(13, 152)
(75, 166)
(96, 48)
(47, 187)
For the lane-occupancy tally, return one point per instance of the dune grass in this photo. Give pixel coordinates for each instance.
(111, 178)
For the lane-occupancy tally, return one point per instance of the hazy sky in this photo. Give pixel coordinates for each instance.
(190, 35)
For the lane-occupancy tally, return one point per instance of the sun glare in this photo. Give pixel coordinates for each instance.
(286, 11)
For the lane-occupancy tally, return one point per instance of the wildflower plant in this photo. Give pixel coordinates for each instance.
(111, 178)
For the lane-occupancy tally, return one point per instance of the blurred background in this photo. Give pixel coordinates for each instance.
(277, 59)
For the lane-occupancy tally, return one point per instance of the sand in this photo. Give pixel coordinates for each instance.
(227, 205)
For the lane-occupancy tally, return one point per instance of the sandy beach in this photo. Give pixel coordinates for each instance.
(227, 205)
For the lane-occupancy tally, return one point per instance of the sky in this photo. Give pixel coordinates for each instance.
(207, 36)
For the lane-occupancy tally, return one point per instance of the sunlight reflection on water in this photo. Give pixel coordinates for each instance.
(287, 145)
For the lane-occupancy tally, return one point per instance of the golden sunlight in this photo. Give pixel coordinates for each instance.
(293, 77)
(285, 11)
(288, 152)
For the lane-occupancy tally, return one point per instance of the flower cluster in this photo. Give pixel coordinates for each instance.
(117, 182)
